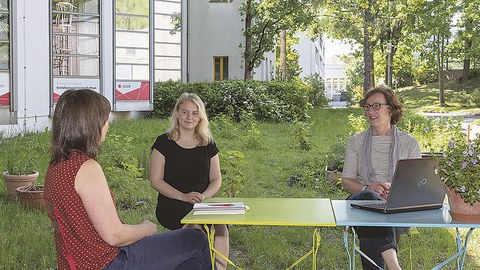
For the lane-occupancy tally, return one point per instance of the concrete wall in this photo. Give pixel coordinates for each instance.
(215, 29)
(311, 56)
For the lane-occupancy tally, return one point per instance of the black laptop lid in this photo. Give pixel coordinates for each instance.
(416, 184)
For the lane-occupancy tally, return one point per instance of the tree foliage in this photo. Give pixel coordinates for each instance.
(263, 21)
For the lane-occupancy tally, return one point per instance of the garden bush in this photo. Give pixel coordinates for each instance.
(267, 101)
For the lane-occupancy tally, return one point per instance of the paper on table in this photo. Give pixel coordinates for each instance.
(219, 208)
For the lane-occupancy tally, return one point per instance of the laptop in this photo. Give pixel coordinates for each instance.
(416, 185)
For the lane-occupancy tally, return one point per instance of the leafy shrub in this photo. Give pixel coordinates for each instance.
(432, 134)
(302, 134)
(233, 177)
(336, 155)
(357, 123)
(424, 75)
(269, 101)
(316, 93)
(252, 140)
(223, 127)
(23, 152)
(475, 97)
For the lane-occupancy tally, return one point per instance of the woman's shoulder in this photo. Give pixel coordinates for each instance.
(358, 137)
(405, 136)
(163, 138)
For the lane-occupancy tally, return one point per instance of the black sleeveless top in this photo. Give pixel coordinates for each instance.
(186, 169)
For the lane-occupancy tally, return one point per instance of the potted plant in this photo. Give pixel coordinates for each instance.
(31, 196)
(335, 161)
(20, 168)
(460, 170)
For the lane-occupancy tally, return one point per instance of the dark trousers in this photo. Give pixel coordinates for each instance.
(375, 240)
(183, 249)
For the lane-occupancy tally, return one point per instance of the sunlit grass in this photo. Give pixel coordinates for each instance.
(425, 98)
(27, 238)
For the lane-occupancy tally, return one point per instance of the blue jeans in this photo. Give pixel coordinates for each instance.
(174, 250)
(375, 240)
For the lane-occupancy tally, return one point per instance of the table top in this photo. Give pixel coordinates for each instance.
(346, 215)
(272, 211)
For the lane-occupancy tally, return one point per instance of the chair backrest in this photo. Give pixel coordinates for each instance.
(59, 232)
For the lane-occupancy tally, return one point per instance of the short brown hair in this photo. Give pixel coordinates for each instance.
(77, 123)
(396, 106)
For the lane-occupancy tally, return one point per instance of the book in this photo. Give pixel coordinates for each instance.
(219, 208)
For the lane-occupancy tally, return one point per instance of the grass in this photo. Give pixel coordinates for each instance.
(271, 164)
(424, 98)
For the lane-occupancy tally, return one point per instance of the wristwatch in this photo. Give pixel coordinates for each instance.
(364, 187)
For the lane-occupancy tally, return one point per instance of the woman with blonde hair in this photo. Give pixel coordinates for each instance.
(185, 168)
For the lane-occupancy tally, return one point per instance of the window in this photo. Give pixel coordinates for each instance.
(132, 51)
(75, 48)
(220, 68)
(168, 27)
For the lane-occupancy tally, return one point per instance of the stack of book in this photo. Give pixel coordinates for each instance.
(219, 208)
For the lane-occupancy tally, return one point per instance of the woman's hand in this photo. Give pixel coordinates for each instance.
(382, 188)
(193, 197)
(151, 227)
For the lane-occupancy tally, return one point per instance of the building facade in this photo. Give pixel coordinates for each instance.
(335, 78)
(311, 55)
(212, 39)
(118, 48)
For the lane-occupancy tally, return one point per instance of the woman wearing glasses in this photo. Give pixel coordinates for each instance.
(370, 160)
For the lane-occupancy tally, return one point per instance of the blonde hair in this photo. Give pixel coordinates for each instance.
(202, 130)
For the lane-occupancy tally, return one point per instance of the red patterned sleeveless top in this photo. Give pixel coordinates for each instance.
(87, 248)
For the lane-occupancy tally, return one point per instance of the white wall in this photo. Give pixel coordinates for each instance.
(30, 65)
(311, 55)
(215, 29)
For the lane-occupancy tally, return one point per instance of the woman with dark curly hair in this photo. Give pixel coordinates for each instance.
(370, 160)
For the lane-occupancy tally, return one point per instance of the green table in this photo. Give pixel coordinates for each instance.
(273, 212)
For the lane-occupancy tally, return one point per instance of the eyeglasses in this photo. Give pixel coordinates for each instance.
(375, 106)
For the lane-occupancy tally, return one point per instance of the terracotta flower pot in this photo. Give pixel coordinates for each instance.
(15, 181)
(462, 211)
(31, 196)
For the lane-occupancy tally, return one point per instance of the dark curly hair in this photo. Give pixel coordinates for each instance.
(396, 107)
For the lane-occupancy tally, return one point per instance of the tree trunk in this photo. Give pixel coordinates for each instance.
(440, 57)
(283, 55)
(366, 52)
(372, 65)
(468, 47)
(248, 43)
(466, 62)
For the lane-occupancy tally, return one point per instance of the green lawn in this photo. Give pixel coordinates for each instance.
(275, 166)
(424, 98)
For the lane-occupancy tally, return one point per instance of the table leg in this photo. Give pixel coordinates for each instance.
(355, 249)
(213, 251)
(461, 251)
(315, 246)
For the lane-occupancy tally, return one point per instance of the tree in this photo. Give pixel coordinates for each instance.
(288, 67)
(370, 23)
(466, 47)
(264, 19)
(433, 23)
